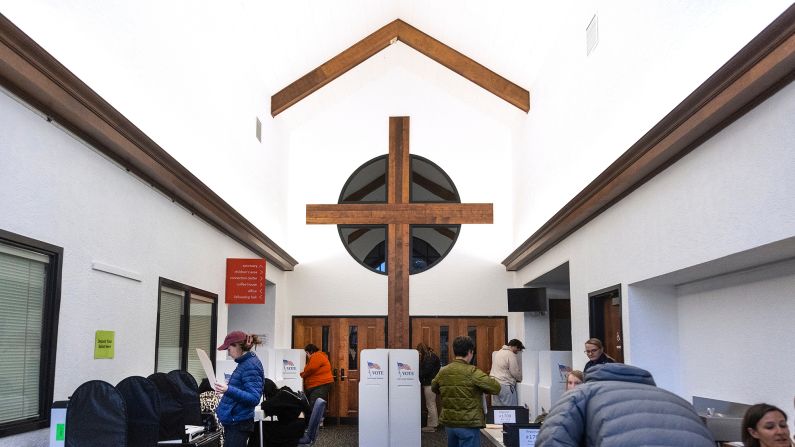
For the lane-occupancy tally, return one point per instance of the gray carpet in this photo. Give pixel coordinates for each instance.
(348, 436)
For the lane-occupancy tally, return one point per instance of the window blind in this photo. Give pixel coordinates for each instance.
(22, 286)
(200, 334)
(168, 337)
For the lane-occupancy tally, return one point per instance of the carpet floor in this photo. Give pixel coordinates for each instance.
(348, 436)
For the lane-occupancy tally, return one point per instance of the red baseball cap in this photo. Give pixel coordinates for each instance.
(232, 338)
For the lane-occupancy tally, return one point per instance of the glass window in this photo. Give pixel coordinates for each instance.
(186, 320)
(324, 340)
(200, 332)
(169, 329)
(353, 347)
(429, 243)
(444, 349)
(367, 184)
(472, 331)
(29, 299)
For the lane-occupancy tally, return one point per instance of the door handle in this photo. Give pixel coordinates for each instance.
(334, 374)
(342, 375)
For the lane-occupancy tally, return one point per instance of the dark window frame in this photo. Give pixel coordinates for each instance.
(184, 330)
(49, 335)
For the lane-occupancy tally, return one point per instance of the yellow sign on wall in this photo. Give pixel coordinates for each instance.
(103, 345)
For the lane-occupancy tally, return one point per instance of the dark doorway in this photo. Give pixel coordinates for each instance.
(605, 318)
(560, 325)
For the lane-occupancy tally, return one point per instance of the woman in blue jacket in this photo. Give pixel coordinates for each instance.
(244, 390)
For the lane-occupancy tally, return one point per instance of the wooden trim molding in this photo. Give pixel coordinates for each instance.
(36, 77)
(755, 73)
(414, 38)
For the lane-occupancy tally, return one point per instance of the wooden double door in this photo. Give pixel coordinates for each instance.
(488, 333)
(342, 340)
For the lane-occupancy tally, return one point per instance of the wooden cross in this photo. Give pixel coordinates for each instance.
(398, 214)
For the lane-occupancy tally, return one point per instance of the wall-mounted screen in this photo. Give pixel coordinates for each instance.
(527, 299)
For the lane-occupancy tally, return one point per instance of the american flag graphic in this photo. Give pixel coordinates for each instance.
(373, 365)
(404, 366)
(286, 362)
(563, 370)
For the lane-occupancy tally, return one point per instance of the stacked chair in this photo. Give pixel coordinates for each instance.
(138, 412)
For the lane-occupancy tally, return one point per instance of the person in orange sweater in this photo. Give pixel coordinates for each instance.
(316, 374)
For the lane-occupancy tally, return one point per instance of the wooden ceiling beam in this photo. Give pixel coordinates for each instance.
(414, 38)
(464, 66)
(333, 68)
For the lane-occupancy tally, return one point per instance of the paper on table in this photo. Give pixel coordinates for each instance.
(207, 365)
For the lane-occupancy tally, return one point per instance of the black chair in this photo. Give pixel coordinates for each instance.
(310, 436)
(96, 415)
(172, 417)
(143, 411)
(189, 396)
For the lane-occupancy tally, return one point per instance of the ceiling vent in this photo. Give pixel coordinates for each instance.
(592, 35)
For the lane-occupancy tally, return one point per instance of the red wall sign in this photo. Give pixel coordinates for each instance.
(245, 281)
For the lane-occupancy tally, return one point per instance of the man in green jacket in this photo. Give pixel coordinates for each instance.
(461, 386)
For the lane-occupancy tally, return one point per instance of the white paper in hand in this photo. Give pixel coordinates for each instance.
(207, 365)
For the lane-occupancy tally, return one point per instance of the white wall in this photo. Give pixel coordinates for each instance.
(735, 336)
(462, 128)
(60, 191)
(587, 110)
(257, 318)
(730, 195)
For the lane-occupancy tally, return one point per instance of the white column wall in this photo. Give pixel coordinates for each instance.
(735, 334)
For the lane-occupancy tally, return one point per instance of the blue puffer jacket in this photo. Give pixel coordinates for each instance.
(619, 406)
(244, 392)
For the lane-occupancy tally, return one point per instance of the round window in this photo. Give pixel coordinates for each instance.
(429, 243)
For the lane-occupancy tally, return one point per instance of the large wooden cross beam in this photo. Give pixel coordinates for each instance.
(398, 214)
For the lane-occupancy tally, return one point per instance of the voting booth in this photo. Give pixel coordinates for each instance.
(373, 397)
(527, 389)
(404, 397)
(287, 367)
(389, 397)
(553, 366)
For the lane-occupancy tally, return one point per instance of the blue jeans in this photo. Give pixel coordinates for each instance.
(462, 437)
(236, 435)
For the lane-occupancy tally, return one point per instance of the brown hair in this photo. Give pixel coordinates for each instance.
(596, 342)
(752, 417)
(424, 350)
(311, 348)
(251, 341)
(576, 373)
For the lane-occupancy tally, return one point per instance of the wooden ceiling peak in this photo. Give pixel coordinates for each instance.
(414, 38)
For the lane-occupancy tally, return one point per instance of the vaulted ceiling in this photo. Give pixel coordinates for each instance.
(394, 31)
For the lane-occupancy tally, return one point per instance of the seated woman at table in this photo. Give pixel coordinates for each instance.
(765, 426)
